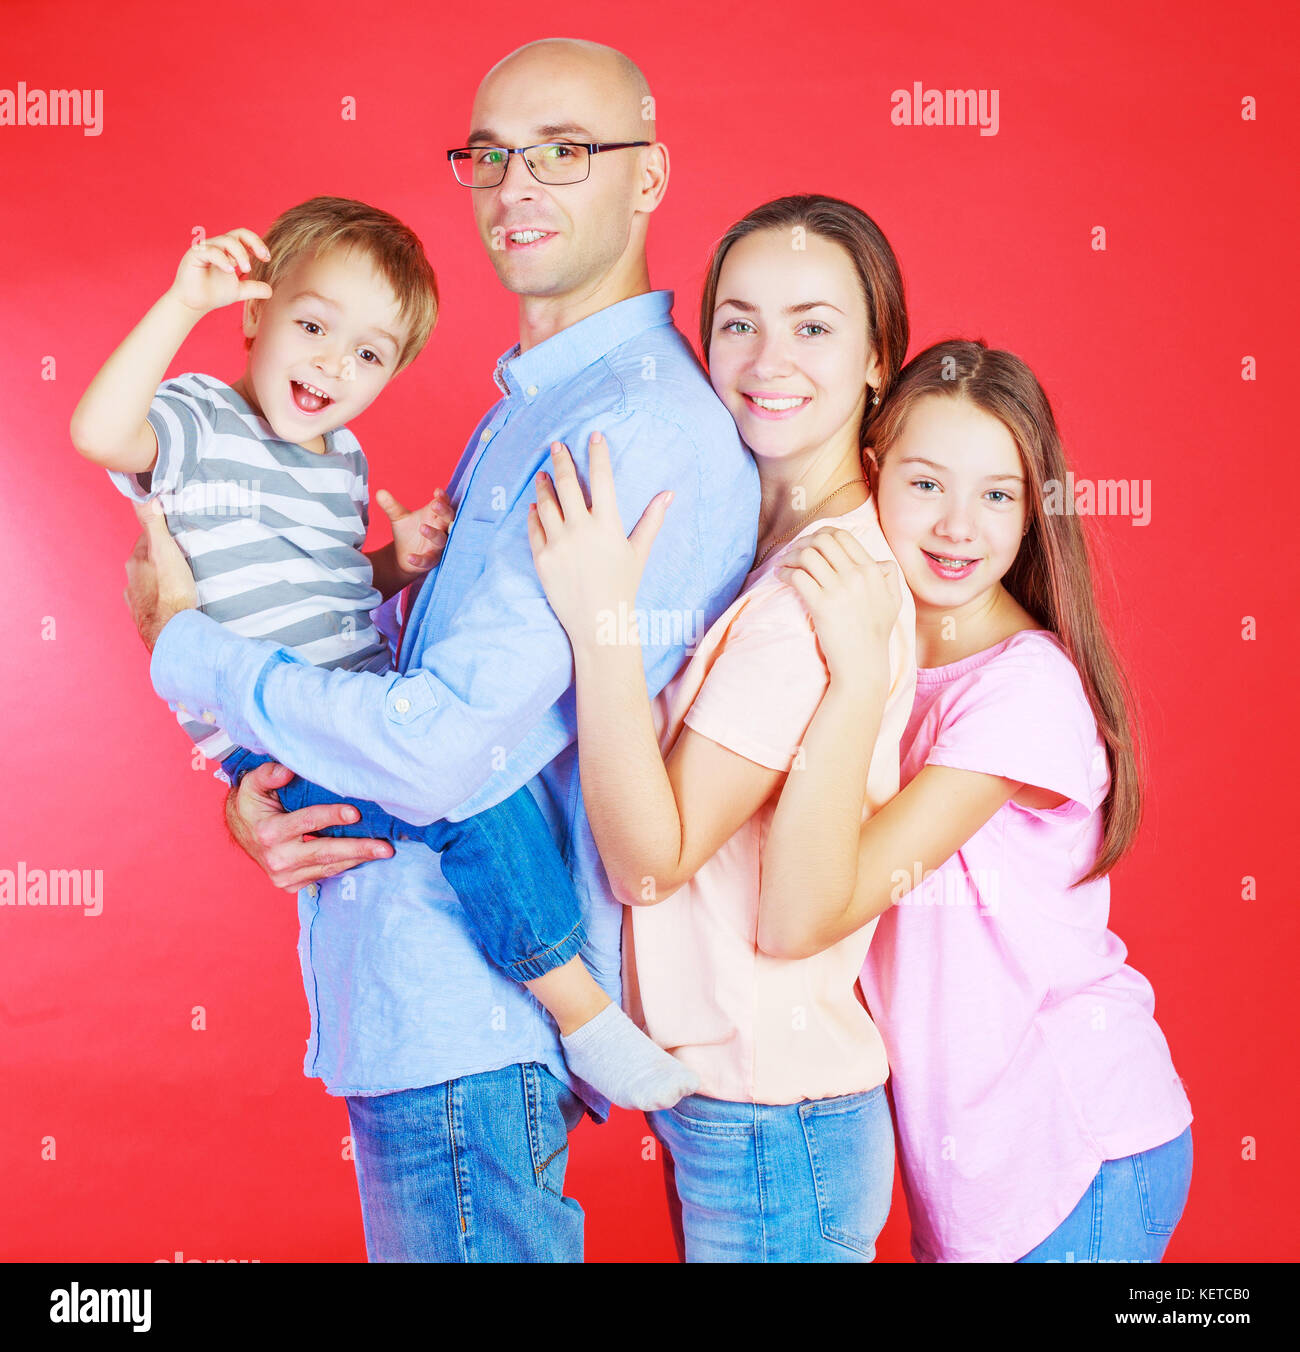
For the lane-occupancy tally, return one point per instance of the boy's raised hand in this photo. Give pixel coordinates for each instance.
(209, 275)
(418, 537)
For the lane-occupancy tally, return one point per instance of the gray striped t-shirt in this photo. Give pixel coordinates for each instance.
(272, 532)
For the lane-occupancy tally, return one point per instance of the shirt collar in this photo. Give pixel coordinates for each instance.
(564, 354)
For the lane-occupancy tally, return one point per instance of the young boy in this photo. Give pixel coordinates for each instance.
(264, 490)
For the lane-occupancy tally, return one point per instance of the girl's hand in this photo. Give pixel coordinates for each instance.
(587, 566)
(209, 274)
(853, 599)
(418, 537)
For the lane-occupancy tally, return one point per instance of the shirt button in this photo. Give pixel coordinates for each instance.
(485, 434)
(209, 716)
(313, 891)
(531, 390)
(402, 706)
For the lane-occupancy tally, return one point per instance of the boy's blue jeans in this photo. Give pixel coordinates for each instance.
(502, 863)
(1129, 1211)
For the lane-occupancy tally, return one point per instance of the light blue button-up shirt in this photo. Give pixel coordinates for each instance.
(482, 701)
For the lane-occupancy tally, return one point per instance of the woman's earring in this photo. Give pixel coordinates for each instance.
(875, 398)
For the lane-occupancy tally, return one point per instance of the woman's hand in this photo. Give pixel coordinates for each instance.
(587, 566)
(853, 599)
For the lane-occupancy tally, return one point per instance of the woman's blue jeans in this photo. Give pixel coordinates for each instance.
(502, 863)
(802, 1182)
(1128, 1212)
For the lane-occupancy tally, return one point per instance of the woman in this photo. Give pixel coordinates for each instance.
(786, 1153)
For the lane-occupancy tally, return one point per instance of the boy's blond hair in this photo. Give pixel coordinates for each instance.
(326, 223)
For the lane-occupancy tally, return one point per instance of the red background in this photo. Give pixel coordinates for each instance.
(213, 1143)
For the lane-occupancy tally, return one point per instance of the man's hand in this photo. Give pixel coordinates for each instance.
(281, 844)
(159, 583)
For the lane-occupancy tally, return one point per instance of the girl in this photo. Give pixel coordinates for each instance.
(786, 1153)
(1039, 1115)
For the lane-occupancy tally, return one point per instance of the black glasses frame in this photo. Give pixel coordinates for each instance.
(591, 147)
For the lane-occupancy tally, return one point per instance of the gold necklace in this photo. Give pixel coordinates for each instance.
(808, 516)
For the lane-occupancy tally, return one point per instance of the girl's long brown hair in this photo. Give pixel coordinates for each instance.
(862, 239)
(1051, 576)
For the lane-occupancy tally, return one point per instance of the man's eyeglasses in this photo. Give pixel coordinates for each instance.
(554, 162)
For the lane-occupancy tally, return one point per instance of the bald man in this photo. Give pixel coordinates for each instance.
(459, 1097)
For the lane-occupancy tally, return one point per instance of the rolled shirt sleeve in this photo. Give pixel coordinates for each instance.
(1028, 719)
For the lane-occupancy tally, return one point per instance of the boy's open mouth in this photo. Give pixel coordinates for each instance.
(308, 398)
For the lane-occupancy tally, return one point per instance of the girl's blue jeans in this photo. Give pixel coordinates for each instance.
(502, 863)
(802, 1182)
(1128, 1212)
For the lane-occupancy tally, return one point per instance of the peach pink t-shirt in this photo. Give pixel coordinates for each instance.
(760, 1029)
(1024, 1049)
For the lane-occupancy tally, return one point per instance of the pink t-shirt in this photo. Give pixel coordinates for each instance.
(1022, 1047)
(760, 1029)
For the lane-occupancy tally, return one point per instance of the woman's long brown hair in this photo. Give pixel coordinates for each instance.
(863, 240)
(1051, 576)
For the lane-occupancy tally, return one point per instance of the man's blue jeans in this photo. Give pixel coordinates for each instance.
(502, 863)
(1129, 1211)
(471, 1171)
(802, 1182)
